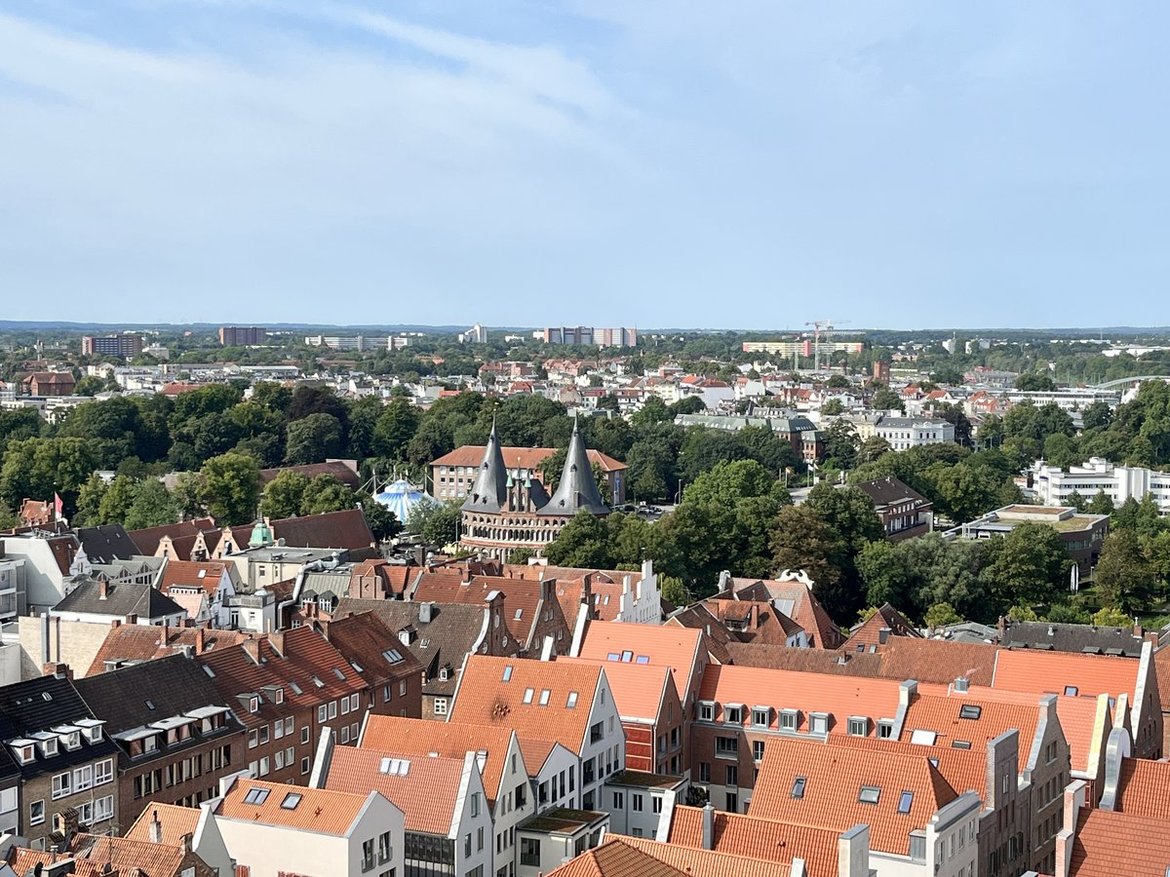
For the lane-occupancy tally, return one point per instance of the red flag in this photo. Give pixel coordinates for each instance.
(58, 505)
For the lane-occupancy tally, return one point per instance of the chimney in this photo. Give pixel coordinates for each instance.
(708, 826)
(252, 647)
(425, 612)
(199, 640)
(117, 622)
(853, 852)
(187, 842)
(103, 589)
(755, 615)
(132, 618)
(56, 670)
(155, 828)
(962, 683)
(276, 640)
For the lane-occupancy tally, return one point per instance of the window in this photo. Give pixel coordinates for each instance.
(788, 720)
(619, 800)
(256, 796)
(761, 716)
(733, 715)
(36, 812)
(440, 706)
(467, 845)
(544, 695)
(970, 711)
(475, 803)
(960, 744)
(1070, 691)
(885, 729)
(507, 672)
(798, 785)
(368, 855)
(922, 737)
(62, 785)
(528, 692)
(571, 700)
(731, 775)
(758, 750)
(83, 778)
(290, 801)
(322, 713)
(818, 723)
(726, 746)
(905, 801)
(479, 839)
(858, 726)
(706, 711)
(636, 801)
(530, 851)
(305, 734)
(704, 771)
(656, 804)
(333, 709)
(869, 794)
(103, 808)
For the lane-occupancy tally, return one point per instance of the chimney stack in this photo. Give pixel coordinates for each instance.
(155, 828)
(708, 826)
(199, 640)
(103, 589)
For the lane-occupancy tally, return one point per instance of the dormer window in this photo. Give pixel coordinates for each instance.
(49, 747)
(72, 740)
(253, 704)
(25, 753)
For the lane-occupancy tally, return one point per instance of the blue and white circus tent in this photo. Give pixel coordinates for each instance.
(401, 497)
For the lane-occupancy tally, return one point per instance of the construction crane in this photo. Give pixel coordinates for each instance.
(821, 327)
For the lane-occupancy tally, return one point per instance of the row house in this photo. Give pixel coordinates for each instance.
(393, 675)
(610, 595)
(277, 830)
(176, 734)
(447, 822)
(204, 588)
(66, 761)
(89, 854)
(286, 688)
(102, 602)
(651, 714)
(564, 702)
(441, 637)
(192, 827)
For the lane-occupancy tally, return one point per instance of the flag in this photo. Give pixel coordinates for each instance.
(58, 505)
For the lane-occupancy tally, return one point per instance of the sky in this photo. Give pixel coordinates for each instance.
(742, 164)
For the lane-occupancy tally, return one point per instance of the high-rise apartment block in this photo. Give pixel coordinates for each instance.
(242, 336)
(589, 335)
(122, 346)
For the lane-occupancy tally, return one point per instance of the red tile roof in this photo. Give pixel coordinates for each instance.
(192, 574)
(485, 698)
(1110, 844)
(147, 540)
(622, 856)
(134, 643)
(522, 599)
(679, 648)
(344, 529)
(363, 640)
(175, 822)
(521, 458)
(761, 839)
(639, 690)
(797, 602)
(833, 779)
(1052, 672)
(320, 810)
(427, 794)
(1144, 788)
(92, 852)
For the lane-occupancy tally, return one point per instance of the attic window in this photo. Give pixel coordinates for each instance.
(46, 695)
(1070, 691)
(970, 711)
(905, 802)
(507, 672)
(395, 767)
(627, 656)
(254, 705)
(290, 801)
(798, 785)
(519, 614)
(642, 659)
(256, 796)
(296, 688)
(392, 655)
(338, 673)
(317, 681)
(150, 704)
(960, 744)
(356, 666)
(613, 656)
(571, 701)
(544, 695)
(922, 737)
(207, 669)
(869, 794)
(528, 692)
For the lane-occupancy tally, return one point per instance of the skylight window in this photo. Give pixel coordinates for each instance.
(544, 695)
(207, 669)
(798, 785)
(519, 614)
(970, 711)
(923, 737)
(290, 801)
(613, 656)
(393, 656)
(337, 672)
(256, 796)
(627, 656)
(296, 688)
(869, 794)
(571, 701)
(1070, 691)
(642, 659)
(528, 692)
(905, 802)
(960, 744)
(507, 672)
(150, 704)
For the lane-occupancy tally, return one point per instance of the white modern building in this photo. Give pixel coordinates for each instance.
(1053, 485)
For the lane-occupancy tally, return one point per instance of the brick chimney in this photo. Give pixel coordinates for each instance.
(103, 589)
(252, 647)
(59, 671)
(276, 640)
(199, 640)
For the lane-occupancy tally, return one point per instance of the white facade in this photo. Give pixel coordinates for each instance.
(949, 847)
(1053, 485)
(641, 601)
(471, 823)
(638, 810)
(904, 433)
(514, 803)
(12, 586)
(273, 850)
(603, 751)
(555, 782)
(45, 584)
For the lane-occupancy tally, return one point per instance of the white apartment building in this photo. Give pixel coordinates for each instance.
(904, 433)
(278, 829)
(1053, 486)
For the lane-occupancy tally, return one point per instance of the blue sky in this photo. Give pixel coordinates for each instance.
(612, 162)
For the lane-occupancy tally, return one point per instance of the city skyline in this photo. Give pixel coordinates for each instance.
(915, 166)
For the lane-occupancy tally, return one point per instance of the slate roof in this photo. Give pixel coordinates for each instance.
(1083, 638)
(122, 599)
(132, 697)
(890, 491)
(445, 639)
(106, 543)
(343, 529)
(337, 469)
(39, 705)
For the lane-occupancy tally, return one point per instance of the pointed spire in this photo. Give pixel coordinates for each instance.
(489, 493)
(577, 489)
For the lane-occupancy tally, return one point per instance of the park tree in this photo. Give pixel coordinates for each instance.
(116, 501)
(36, 468)
(437, 523)
(801, 540)
(942, 615)
(229, 487)
(583, 542)
(153, 506)
(885, 399)
(394, 429)
(1032, 382)
(284, 495)
(841, 444)
(313, 438)
(1124, 578)
(326, 494)
(1030, 566)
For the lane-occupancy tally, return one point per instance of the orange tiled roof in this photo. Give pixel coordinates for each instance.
(205, 575)
(622, 856)
(1144, 788)
(522, 598)
(445, 739)
(362, 639)
(806, 609)
(485, 698)
(521, 458)
(833, 779)
(869, 631)
(934, 710)
(760, 839)
(604, 584)
(174, 820)
(1109, 844)
(639, 690)
(965, 770)
(137, 643)
(1052, 672)
(1162, 673)
(674, 647)
(427, 794)
(91, 854)
(840, 696)
(321, 810)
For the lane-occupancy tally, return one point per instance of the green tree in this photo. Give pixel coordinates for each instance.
(229, 486)
(153, 506)
(801, 540)
(1035, 383)
(363, 420)
(284, 495)
(1124, 579)
(1101, 504)
(583, 542)
(118, 499)
(395, 428)
(437, 523)
(1077, 501)
(313, 438)
(872, 450)
(841, 445)
(942, 615)
(1030, 566)
(674, 591)
(832, 408)
(520, 556)
(17, 424)
(885, 399)
(326, 494)
(1097, 415)
(36, 468)
(383, 523)
(89, 502)
(1109, 617)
